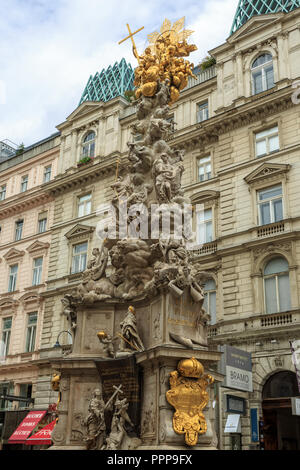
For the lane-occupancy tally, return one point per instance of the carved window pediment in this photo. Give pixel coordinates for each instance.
(253, 24)
(79, 232)
(30, 300)
(8, 306)
(37, 247)
(267, 171)
(13, 254)
(203, 196)
(83, 109)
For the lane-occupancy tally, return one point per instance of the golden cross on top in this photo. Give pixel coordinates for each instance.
(132, 40)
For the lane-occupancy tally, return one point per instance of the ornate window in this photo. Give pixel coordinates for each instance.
(2, 192)
(6, 332)
(270, 205)
(31, 332)
(37, 271)
(202, 112)
(204, 226)
(210, 295)
(42, 222)
(267, 142)
(204, 168)
(24, 183)
(84, 205)
(262, 74)
(19, 230)
(79, 257)
(12, 282)
(277, 286)
(88, 146)
(47, 173)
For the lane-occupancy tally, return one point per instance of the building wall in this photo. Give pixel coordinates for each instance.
(240, 248)
(17, 367)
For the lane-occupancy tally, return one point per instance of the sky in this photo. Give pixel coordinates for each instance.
(49, 49)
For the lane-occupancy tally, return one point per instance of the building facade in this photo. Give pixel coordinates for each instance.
(26, 215)
(239, 124)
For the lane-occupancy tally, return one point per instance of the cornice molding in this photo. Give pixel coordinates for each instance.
(84, 175)
(228, 119)
(21, 203)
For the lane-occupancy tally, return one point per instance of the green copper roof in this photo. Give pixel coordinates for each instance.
(110, 83)
(248, 8)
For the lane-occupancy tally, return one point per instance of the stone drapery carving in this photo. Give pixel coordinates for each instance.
(120, 417)
(130, 340)
(95, 422)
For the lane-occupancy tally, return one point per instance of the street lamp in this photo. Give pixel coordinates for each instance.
(57, 344)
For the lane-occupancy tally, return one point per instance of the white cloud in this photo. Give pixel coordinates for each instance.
(47, 54)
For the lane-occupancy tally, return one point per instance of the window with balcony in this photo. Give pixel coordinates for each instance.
(270, 205)
(202, 112)
(204, 168)
(24, 183)
(88, 145)
(6, 332)
(277, 286)
(3, 192)
(84, 205)
(47, 173)
(267, 142)
(79, 258)
(31, 332)
(12, 282)
(204, 226)
(209, 304)
(19, 230)
(262, 74)
(37, 271)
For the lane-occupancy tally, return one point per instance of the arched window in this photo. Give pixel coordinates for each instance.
(277, 286)
(262, 73)
(210, 295)
(88, 146)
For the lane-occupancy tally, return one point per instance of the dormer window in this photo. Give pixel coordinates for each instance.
(262, 74)
(88, 146)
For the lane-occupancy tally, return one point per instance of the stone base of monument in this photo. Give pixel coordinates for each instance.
(144, 376)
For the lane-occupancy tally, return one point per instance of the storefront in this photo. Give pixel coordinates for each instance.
(27, 430)
(280, 428)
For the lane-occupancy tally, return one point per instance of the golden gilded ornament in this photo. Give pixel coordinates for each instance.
(102, 334)
(55, 382)
(163, 60)
(189, 397)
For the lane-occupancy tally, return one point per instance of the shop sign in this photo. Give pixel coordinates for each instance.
(235, 404)
(236, 365)
(233, 424)
(254, 425)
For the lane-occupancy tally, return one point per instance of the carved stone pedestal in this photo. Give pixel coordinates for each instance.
(157, 414)
(159, 321)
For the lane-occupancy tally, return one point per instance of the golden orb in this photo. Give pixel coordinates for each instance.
(101, 334)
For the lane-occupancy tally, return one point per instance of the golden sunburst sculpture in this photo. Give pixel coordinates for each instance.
(162, 60)
(175, 33)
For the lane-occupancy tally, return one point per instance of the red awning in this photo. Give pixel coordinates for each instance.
(43, 436)
(26, 427)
